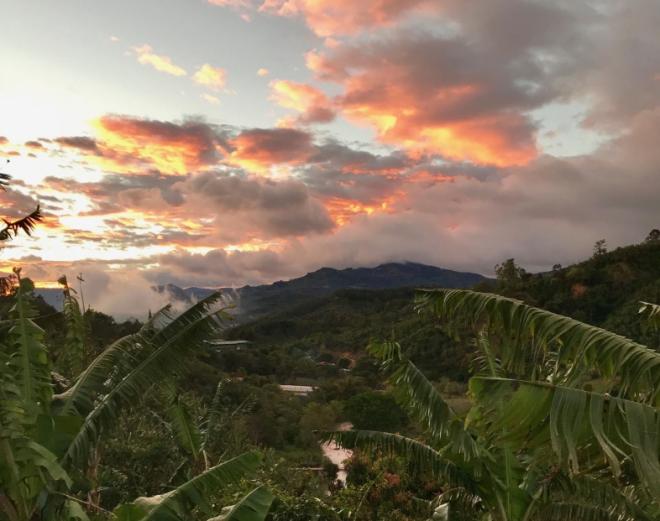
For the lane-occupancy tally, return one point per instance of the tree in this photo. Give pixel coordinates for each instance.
(509, 273)
(374, 410)
(600, 248)
(11, 228)
(563, 423)
(45, 439)
(653, 236)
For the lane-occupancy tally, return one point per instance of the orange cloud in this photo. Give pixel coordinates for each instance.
(314, 106)
(344, 210)
(334, 17)
(146, 56)
(211, 77)
(263, 72)
(331, 17)
(169, 147)
(426, 95)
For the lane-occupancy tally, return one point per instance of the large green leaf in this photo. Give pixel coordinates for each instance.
(80, 397)
(252, 507)
(585, 498)
(194, 494)
(423, 401)
(527, 338)
(215, 413)
(533, 415)
(115, 361)
(186, 430)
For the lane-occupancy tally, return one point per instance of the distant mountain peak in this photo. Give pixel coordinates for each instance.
(253, 301)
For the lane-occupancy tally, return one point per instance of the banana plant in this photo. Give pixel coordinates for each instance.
(178, 504)
(28, 464)
(195, 437)
(563, 425)
(46, 438)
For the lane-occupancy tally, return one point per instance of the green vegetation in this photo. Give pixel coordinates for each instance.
(374, 411)
(563, 425)
(518, 402)
(51, 444)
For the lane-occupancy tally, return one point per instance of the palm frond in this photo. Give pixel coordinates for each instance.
(422, 400)
(215, 412)
(4, 181)
(529, 415)
(527, 335)
(27, 468)
(155, 359)
(456, 502)
(25, 224)
(193, 494)
(252, 507)
(114, 362)
(586, 497)
(80, 397)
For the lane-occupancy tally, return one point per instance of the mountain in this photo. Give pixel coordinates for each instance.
(254, 301)
(52, 296)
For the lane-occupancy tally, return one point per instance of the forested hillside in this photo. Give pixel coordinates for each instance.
(605, 291)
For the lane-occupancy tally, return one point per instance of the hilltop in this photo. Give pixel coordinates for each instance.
(604, 290)
(255, 301)
(259, 300)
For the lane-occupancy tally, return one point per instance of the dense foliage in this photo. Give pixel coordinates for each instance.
(563, 424)
(51, 444)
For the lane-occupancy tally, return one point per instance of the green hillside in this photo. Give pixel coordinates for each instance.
(341, 326)
(604, 290)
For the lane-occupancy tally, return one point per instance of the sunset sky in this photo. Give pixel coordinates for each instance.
(225, 142)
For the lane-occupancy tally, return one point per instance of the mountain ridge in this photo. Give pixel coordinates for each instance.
(253, 301)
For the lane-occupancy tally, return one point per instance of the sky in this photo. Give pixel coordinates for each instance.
(230, 142)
